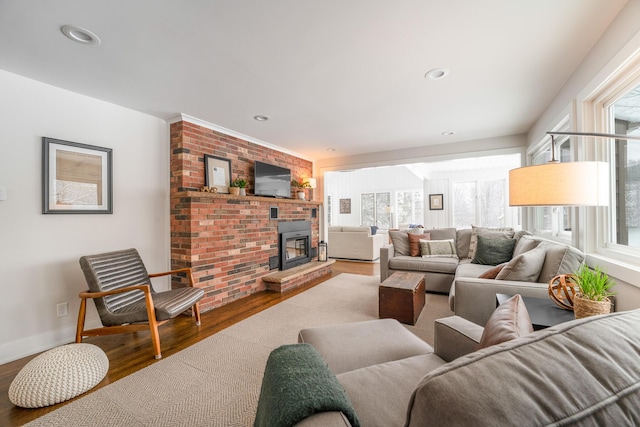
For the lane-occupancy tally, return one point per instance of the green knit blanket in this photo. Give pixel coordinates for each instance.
(298, 383)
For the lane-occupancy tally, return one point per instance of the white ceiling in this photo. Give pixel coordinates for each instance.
(342, 74)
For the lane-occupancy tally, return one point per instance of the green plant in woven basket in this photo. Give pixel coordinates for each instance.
(594, 284)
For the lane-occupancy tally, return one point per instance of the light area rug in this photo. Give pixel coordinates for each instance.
(216, 382)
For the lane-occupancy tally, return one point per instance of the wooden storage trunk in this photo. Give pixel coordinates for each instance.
(401, 297)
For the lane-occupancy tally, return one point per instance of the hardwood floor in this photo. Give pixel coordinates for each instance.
(128, 353)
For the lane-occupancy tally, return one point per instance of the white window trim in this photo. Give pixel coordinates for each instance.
(620, 261)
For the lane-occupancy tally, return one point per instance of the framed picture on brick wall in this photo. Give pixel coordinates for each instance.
(76, 178)
(217, 173)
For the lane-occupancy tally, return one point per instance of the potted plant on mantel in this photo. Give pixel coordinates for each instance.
(237, 187)
(593, 293)
(300, 186)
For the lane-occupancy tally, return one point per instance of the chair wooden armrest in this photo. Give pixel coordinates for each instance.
(180, 270)
(143, 288)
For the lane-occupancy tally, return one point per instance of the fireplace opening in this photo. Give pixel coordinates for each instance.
(294, 243)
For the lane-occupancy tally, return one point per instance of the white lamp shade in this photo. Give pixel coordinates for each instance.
(560, 184)
(311, 182)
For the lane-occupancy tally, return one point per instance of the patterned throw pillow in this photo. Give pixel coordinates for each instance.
(494, 233)
(438, 248)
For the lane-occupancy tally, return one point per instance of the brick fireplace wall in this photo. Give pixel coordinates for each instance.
(226, 240)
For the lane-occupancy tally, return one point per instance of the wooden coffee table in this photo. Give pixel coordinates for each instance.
(401, 297)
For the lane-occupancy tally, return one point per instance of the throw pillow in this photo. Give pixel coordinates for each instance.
(374, 229)
(438, 248)
(495, 233)
(509, 321)
(400, 240)
(493, 251)
(492, 273)
(414, 242)
(524, 267)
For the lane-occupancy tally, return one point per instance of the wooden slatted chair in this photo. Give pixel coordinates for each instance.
(120, 287)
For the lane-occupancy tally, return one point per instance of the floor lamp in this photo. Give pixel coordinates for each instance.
(563, 184)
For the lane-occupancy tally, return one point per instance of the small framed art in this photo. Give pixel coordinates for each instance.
(217, 173)
(345, 206)
(76, 178)
(435, 202)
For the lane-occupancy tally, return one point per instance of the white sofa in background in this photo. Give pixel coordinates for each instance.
(355, 243)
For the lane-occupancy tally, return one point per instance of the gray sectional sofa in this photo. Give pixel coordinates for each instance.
(583, 372)
(533, 262)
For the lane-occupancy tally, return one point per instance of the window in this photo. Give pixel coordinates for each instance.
(481, 203)
(375, 209)
(464, 204)
(623, 117)
(410, 207)
(554, 221)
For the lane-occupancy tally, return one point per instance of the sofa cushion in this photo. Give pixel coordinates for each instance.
(508, 322)
(335, 228)
(438, 248)
(559, 259)
(379, 393)
(584, 372)
(442, 233)
(444, 265)
(525, 244)
(493, 251)
(366, 229)
(400, 240)
(525, 267)
(466, 269)
(495, 233)
(463, 239)
(414, 242)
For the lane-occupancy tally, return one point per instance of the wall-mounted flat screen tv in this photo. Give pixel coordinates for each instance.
(272, 180)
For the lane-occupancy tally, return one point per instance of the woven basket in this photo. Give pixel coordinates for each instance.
(583, 307)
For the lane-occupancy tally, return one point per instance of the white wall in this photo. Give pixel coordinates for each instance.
(351, 184)
(39, 253)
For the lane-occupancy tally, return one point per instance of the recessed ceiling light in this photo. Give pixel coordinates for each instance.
(80, 35)
(437, 74)
(331, 149)
(448, 133)
(261, 118)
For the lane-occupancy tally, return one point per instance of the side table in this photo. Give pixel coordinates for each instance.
(542, 311)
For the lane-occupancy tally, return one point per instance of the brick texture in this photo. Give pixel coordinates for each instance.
(226, 240)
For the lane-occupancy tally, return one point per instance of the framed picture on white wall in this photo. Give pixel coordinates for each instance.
(435, 202)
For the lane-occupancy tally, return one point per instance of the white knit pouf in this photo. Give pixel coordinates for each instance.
(59, 374)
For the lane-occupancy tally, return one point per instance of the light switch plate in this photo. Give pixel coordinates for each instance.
(3, 193)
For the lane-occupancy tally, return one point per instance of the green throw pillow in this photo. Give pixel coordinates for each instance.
(493, 251)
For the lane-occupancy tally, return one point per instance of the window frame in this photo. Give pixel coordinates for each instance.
(605, 244)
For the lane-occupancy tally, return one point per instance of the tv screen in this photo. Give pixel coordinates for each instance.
(271, 180)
